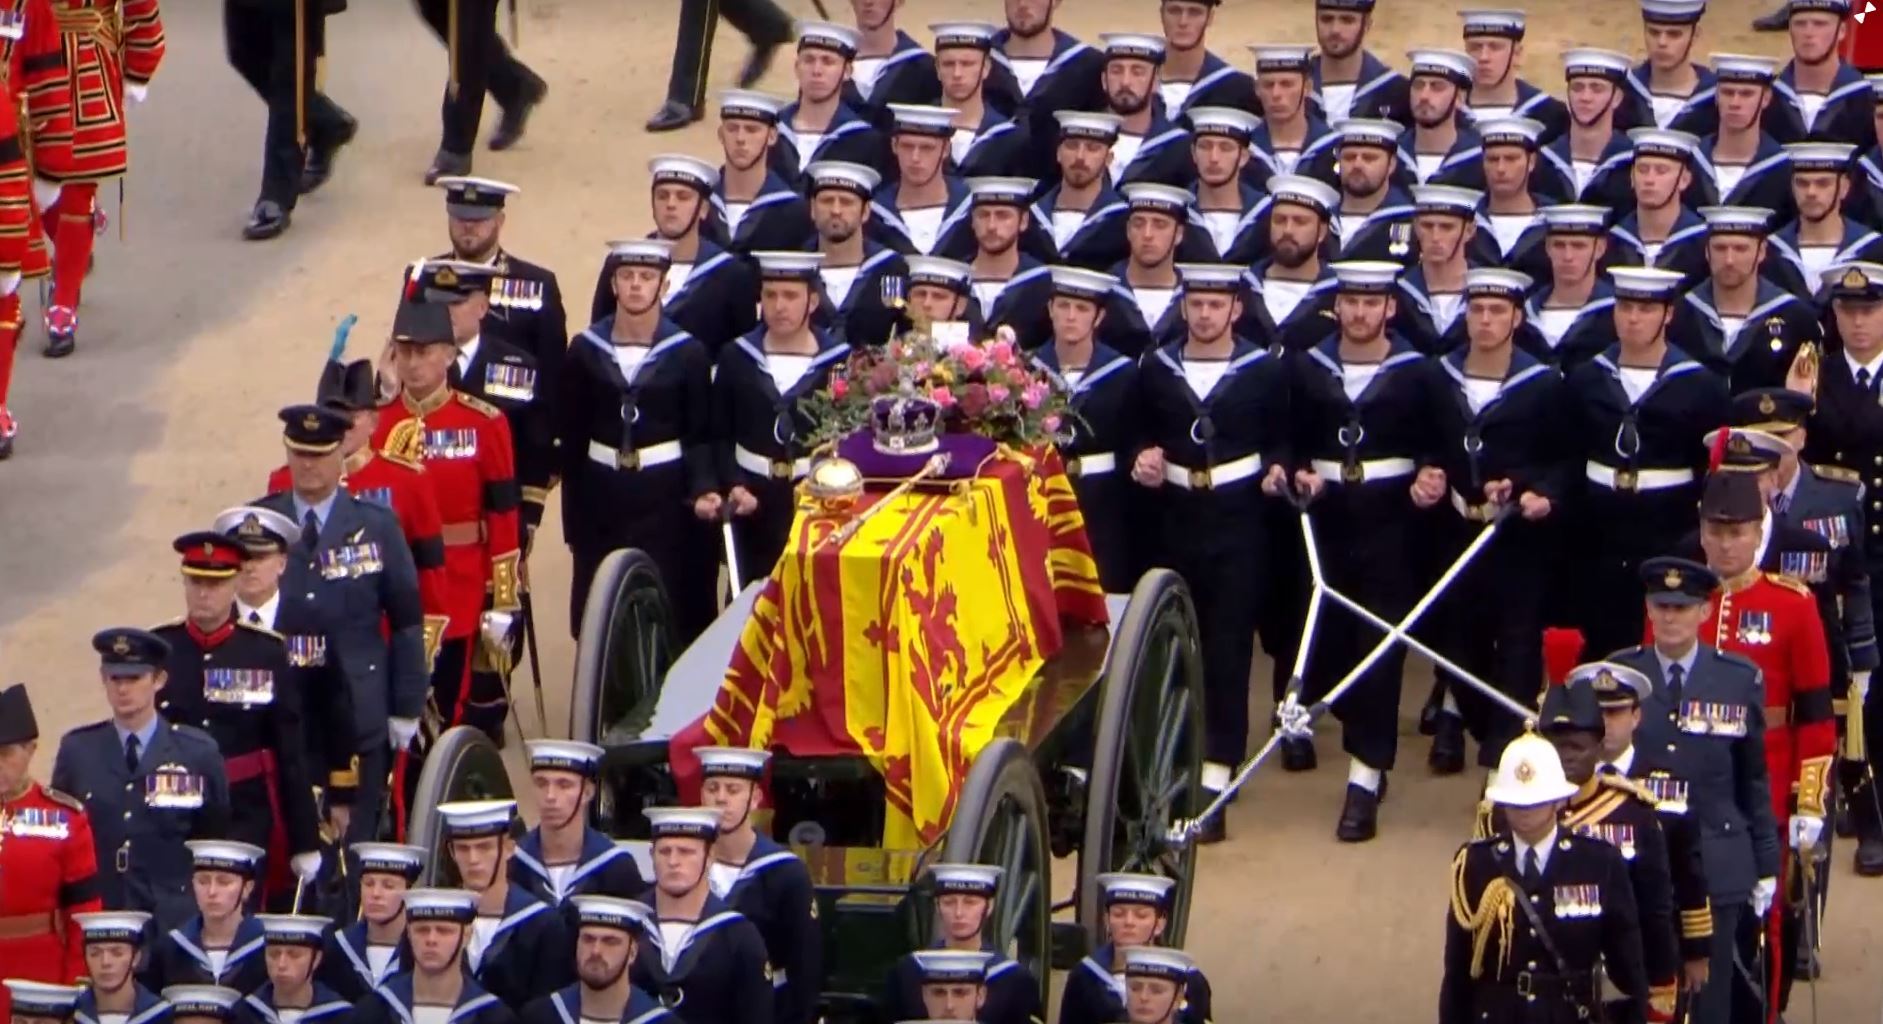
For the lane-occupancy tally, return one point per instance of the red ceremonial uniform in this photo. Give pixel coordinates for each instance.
(48, 872)
(107, 43)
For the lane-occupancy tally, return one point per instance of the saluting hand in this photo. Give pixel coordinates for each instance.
(744, 502)
(706, 506)
(1534, 506)
(1149, 467)
(1428, 488)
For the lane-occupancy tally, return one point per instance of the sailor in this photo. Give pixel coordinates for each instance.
(1010, 287)
(365, 954)
(609, 934)
(1374, 218)
(954, 983)
(635, 430)
(1136, 911)
(38, 1002)
(1538, 894)
(1670, 90)
(754, 206)
(1360, 415)
(1570, 308)
(1142, 312)
(293, 993)
(149, 783)
(986, 142)
(924, 210)
(222, 943)
(1215, 443)
(1192, 75)
(1739, 163)
(439, 986)
(201, 1004)
(113, 940)
(1101, 437)
(856, 278)
(890, 67)
(1869, 188)
(1084, 210)
(1431, 294)
(1494, 38)
(562, 856)
(1039, 70)
(1717, 775)
(518, 948)
(1590, 162)
(702, 959)
(480, 65)
(1152, 144)
(1818, 96)
(1293, 138)
(943, 291)
(820, 125)
(964, 903)
(1226, 209)
(1443, 148)
(1662, 231)
(763, 880)
(1513, 227)
(1740, 322)
(1292, 288)
(1349, 81)
(1156, 982)
(1801, 253)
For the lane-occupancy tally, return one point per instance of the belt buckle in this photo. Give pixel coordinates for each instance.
(628, 459)
(1200, 479)
(1626, 480)
(781, 469)
(123, 858)
(1352, 473)
(1525, 984)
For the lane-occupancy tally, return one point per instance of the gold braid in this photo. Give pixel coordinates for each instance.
(1493, 914)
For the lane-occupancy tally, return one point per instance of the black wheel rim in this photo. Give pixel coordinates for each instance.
(639, 652)
(1012, 841)
(464, 765)
(1001, 819)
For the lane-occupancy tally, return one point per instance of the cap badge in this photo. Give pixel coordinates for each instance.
(1672, 580)
(251, 526)
(1854, 278)
(1766, 406)
(121, 646)
(310, 422)
(1525, 771)
(447, 278)
(1739, 445)
(209, 549)
(1605, 680)
(471, 195)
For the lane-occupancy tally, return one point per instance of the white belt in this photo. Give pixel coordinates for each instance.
(772, 469)
(1636, 479)
(779, 980)
(1363, 472)
(1482, 513)
(1213, 477)
(1091, 465)
(640, 458)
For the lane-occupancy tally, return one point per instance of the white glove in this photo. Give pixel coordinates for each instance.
(1860, 684)
(135, 92)
(306, 865)
(1763, 891)
(1805, 831)
(9, 283)
(496, 626)
(45, 193)
(401, 732)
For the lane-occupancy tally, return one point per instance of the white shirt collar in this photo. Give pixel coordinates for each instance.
(468, 352)
(1542, 851)
(1624, 760)
(267, 610)
(1875, 366)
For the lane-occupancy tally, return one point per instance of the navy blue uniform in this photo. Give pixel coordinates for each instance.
(1099, 241)
(717, 973)
(178, 958)
(1846, 116)
(1013, 994)
(906, 75)
(1762, 344)
(1683, 250)
(850, 138)
(778, 217)
(146, 1007)
(531, 954)
(327, 1007)
(603, 869)
(773, 892)
(394, 1005)
(565, 1007)
(1104, 435)
(716, 303)
(1094, 995)
(1698, 115)
(1378, 92)
(346, 968)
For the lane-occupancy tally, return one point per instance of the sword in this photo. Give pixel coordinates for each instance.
(1807, 874)
(535, 657)
(734, 581)
(300, 886)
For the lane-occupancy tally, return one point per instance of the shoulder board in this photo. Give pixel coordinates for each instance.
(400, 458)
(477, 404)
(1628, 786)
(1837, 473)
(63, 799)
(403, 441)
(263, 630)
(1789, 583)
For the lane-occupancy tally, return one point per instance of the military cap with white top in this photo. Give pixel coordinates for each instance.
(1088, 124)
(390, 859)
(1497, 283)
(733, 762)
(598, 911)
(259, 529)
(1080, 283)
(1370, 131)
(304, 930)
(1589, 62)
(1645, 284)
(1575, 219)
(940, 272)
(1737, 220)
(1211, 277)
(1453, 65)
(828, 35)
(1132, 46)
(469, 198)
(1855, 282)
(1745, 67)
(952, 966)
(224, 855)
(641, 252)
(1446, 199)
(1225, 121)
(1665, 142)
(788, 265)
(40, 999)
(1504, 22)
(1117, 887)
(683, 823)
(1158, 198)
(113, 926)
(746, 105)
(1614, 685)
(1272, 57)
(1820, 156)
(965, 879)
(1158, 962)
(476, 819)
(964, 35)
(913, 119)
(1672, 12)
(841, 174)
(1367, 276)
(457, 905)
(1300, 190)
(678, 168)
(212, 1001)
(1509, 131)
(995, 191)
(1529, 774)
(1748, 448)
(565, 756)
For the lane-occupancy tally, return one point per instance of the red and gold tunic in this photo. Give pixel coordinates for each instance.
(33, 71)
(466, 449)
(48, 872)
(107, 44)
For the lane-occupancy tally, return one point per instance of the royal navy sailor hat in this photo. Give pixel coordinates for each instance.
(113, 926)
(1211, 277)
(733, 762)
(1737, 220)
(1274, 57)
(565, 756)
(1839, 7)
(1225, 121)
(683, 823)
(1855, 282)
(1098, 125)
(1158, 198)
(1744, 67)
(1376, 277)
(469, 198)
(997, 191)
(475, 819)
(1618, 686)
(678, 168)
(1498, 283)
(1664, 142)
(842, 175)
(916, 119)
(1452, 65)
(224, 855)
(129, 652)
(1132, 46)
(965, 879)
(1672, 12)
(641, 252)
(390, 859)
(1133, 888)
(1590, 62)
(304, 930)
(1510, 131)
(1676, 581)
(940, 272)
(1378, 133)
(952, 966)
(40, 999)
(788, 265)
(1575, 219)
(828, 35)
(964, 35)
(598, 911)
(212, 1001)
(1158, 962)
(1081, 283)
(1503, 22)
(1362, 6)
(1300, 190)
(263, 531)
(457, 905)
(747, 105)
(1820, 156)
(1645, 284)
(1451, 199)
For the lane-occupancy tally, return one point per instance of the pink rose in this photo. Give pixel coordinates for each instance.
(998, 393)
(1001, 352)
(1050, 423)
(922, 369)
(971, 357)
(1033, 396)
(974, 401)
(942, 397)
(839, 387)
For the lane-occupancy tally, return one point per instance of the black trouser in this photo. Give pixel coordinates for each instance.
(484, 65)
(464, 689)
(762, 21)
(369, 800)
(262, 44)
(1493, 628)
(1220, 557)
(765, 535)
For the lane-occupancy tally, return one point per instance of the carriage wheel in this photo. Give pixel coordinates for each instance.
(463, 765)
(625, 650)
(1147, 756)
(1001, 819)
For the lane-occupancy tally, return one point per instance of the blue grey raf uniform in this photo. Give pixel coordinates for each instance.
(326, 1006)
(143, 808)
(1013, 994)
(128, 928)
(352, 964)
(395, 1001)
(714, 969)
(600, 867)
(181, 956)
(525, 952)
(564, 1006)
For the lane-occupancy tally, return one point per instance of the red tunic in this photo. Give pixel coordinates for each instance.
(107, 43)
(48, 872)
(466, 447)
(32, 63)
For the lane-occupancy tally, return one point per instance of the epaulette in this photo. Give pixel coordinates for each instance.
(63, 799)
(1618, 781)
(1837, 473)
(403, 442)
(1791, 583)
(264, 630)
(401, 458)
(479, 405)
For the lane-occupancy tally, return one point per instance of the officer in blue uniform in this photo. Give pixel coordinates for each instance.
(609, 932)
(438, 928)
(704, 960)
(35, 1002)
(222, 944)
(562, 856)
(113, 939)
(293, 994)
(202, 1004)
(362, 956)
(964, 902)
(518, 947)
(147, 783)
(1137, 910)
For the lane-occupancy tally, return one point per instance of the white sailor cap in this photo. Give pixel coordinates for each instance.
(1271, 57)
(1449, 64)
(459, 905)
(746, 105)
(1820, 156)
(113, 925)
(1498, 282)
(565, 756)
(1509, 131)
(678, 168)
(788, 265)
(1301, 190)
(1876, 82)
(1609, 680)
(965, 879)
(828, 35)
(914, 119)
(1645, 284)
(1831, 6)
(969, 35)
(1859, 281)
(683, 823)
(1129, 887)
(390, 858)
(1375, 276)
(841, 174)
(1745, 67)
(1230, 121)
(1575, 219)
(1682, 146)
(294, 929)
(469, 198)
(613, 912)
(1737, 220)
(946, 966)
(1149, 195)
(1505, 22)
(213, 1001)
(475, 819)
(1158, 962)
(1590, 62)
(1672, 12)
(1088, 124)
(1370, 131)
(641, 252)
(260, 530)
(39, 999)
(737, 762)
(1446, 199)
(1080, 283)
(224, 855)
(1211, 277)
(1132, 46)
(1001, 191)
(939, 272)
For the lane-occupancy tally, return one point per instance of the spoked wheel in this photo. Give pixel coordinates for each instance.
(463, 765)
(1147, 756)
(625, 650)
(1001, 819)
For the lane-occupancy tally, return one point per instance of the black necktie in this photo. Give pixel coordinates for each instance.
(454, 377)
(1531, 869)
(1676, 675)
(310, 530)
(133, 752)
(255, 618)
(1863, 378)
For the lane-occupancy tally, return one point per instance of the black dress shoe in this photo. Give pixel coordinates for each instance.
(757, 64)
(268, 220)
(672, 115)
(448, 165)
(1214, 830)
(1448, 746)
(1870, 857)
(516, 117)
(1360, 816)
(1776, 21)
(320, 156)
(1298, 755)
